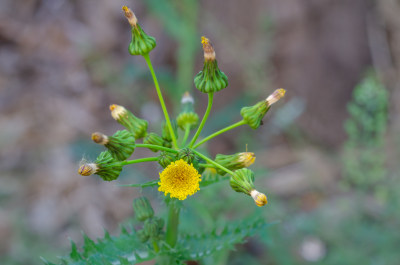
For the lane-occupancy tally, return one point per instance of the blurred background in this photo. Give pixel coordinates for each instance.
(327, 154)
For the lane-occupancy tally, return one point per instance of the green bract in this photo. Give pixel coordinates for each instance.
(141, 43)
(108, 168)
(242, 181)
(253, 115)
(142, 208)
(210, 79)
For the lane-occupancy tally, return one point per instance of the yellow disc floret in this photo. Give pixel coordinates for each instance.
(179, 179)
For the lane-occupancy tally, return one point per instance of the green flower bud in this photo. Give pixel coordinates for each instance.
(187, 155)
(136, 126)
(243, 181)
(155, 139)
(210, 79)
(105, 166)
(165, 131)
(151, 227)
(166, 158)
(142, 235)
(121, 145)
(142, 208)
(253, 115)
(187, 116)
(141, 43)
(235, 161)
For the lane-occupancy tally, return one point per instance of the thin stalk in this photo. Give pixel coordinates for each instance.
(239, 123)
(213, 162)
(146, 159)
(155, 246)
(210, 102)
(187, 131)
(152, 146)
(160, 97)
(171, 235)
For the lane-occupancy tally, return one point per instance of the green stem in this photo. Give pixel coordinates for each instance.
(213, 162)
(146, 159)
(239, 123)
(157, 147)
(210, 102)
(164, 108)
(155, 246)
(171, 235)
(187, 131)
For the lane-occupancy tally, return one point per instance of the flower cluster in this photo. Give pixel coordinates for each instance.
(183, 165)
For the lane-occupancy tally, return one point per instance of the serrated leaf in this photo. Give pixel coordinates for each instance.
(74, 255)
(121, 250)
(200, 245)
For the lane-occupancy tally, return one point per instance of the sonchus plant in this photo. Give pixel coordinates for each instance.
(185, 171)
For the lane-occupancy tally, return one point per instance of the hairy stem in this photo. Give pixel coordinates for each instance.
(210, 102)
(160, 97)
(239, 123)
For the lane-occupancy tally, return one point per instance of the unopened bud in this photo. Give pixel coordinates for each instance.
(210, 79)
(187, 116)
(141, 43)
(135, 125)
(142, 208)
(235, 161)
(121, 145)
(108, 168)
(242, 181)
(155, 139)
(166, 158)
(105, 166)
(259, 198)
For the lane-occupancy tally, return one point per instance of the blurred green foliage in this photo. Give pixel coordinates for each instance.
(363, 152)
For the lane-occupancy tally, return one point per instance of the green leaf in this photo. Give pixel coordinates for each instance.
(197, 246)
(124, 249)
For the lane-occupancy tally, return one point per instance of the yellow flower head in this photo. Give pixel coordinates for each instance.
(179, 179)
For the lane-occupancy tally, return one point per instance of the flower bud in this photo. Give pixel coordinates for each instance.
(166, 158)
(242, 181)
(155, 139)
(165, 131)
(136, 126)
(259, 198)
(141, 43)
(235, 161)
(121, 145)
(151, 227)
(187, 116)
(105, 166)
(142, 236)
(210, 79)
(187, 155)
(253, 115)
(142, 208)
